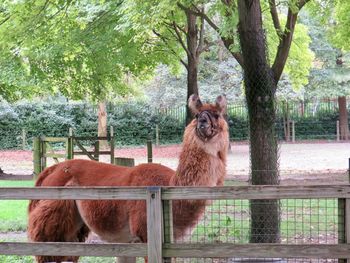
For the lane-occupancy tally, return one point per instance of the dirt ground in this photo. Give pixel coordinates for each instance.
(323, 162)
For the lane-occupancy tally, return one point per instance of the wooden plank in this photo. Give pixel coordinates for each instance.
(93, 152)
(112, 144)
(91, 138)
(54, 155)
(347, 225)
(341, 225)
(69, 149)
(180, 193)
(154, 224)
(256, 192)
(149, 151)
(315, 251)
(83, 149)
(72, 249)
(53, 139)
(43, 152)
(50, 151)
(75, 193)
(37, 155)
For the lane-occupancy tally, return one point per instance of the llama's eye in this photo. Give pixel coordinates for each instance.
(216, 116)
(196, 116)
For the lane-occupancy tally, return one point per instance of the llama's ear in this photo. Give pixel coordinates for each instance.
(221, 103)
(194, 103)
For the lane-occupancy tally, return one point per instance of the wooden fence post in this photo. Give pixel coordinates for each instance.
(344, 223)
(112, 144)
(43, 153)
(97, 151)
(347, 224)
(37, 155)
(293, 131)
(24, 139)
(149, 151)
(70, 146)
(154, 224)
(157, 135)
(338, 131)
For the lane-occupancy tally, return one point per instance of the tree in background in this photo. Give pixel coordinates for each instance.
(173, 30)
(330, 77)
(69, 47)
(242, 30)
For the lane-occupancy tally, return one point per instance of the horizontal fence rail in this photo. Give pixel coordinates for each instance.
(177, 193)
(157, 197)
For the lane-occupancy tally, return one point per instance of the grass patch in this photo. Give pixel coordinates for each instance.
(16, 259)
(301, 219)
(13, 213)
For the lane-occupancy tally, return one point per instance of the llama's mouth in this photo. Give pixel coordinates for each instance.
(206, 128)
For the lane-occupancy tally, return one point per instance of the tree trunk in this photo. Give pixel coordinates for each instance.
(192, 60)
(343, 118)
(102, 124)
(260, 96)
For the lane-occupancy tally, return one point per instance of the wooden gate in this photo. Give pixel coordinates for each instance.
(43, 149)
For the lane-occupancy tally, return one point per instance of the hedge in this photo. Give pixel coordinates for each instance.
(133, 123)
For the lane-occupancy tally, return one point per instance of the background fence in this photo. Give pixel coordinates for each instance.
(315, 224)
(135, 123)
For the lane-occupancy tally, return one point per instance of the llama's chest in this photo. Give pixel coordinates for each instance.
(210, 173)
(216, 171)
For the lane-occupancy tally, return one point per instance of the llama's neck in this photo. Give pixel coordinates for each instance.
(201, 163)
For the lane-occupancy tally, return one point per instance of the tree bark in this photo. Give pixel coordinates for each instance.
(260, 88)
(343, 118)
(102, 124)
(192, 59)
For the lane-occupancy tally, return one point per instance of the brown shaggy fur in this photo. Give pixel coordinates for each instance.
(202, 163)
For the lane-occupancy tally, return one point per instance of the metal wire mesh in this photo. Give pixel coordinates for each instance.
(303, 221)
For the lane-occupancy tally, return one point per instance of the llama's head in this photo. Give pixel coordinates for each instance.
(209, 119)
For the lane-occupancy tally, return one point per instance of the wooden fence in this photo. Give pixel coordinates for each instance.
(42, 148)
(159, 199)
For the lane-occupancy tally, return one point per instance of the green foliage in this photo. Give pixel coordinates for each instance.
(71, 47)
(327, 79)
(340, 34)
(135, 122)
(300, 56)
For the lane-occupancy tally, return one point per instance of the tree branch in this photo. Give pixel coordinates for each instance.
(285, 42)
(179, 38)
(200, 47)
(227, 41)
(275, 19)
(166, 42)
(6, 19)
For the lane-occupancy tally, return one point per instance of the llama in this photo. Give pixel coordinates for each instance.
(202, 162)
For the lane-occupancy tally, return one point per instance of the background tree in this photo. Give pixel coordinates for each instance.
(60, 47)
(174, 31)
(329, 28)
(243, 33)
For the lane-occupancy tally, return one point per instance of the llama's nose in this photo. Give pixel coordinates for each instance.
(203, 123)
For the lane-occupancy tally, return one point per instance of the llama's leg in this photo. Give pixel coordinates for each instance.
(56, 221)
(126, 260)
(130, 259)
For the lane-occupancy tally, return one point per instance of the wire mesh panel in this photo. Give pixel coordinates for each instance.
(303, 221)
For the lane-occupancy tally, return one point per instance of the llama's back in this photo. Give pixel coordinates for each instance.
(66, 173)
